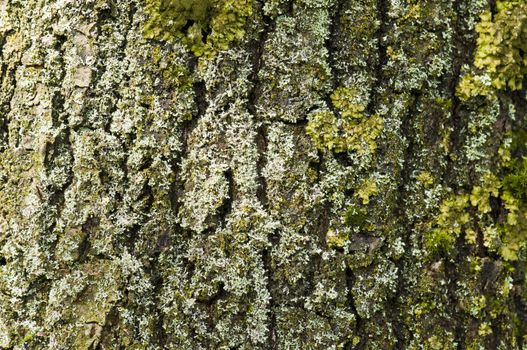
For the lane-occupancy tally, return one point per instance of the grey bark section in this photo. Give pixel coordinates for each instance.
(150, 199)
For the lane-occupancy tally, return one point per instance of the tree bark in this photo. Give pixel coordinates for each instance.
(310, 178)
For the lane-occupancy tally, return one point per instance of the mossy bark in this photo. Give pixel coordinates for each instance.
(313, 178)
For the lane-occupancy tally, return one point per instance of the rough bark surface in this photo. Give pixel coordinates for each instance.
(267, 174)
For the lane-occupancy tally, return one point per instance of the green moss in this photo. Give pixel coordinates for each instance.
(351, 130)
(205, 26)
(515, 182)
(518, 143)
(356, 217)
(502, 44)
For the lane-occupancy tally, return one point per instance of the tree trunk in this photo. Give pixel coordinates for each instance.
(262, 174)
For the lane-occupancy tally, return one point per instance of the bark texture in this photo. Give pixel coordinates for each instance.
(263, 174)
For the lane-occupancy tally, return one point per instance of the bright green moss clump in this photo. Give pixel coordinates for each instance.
(351, 131)
(205, 26)
(502, 44)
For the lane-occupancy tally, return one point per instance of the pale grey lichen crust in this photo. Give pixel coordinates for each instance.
(282, 185)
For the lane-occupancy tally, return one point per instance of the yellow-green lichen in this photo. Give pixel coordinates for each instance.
(425, 178)
(484, 329)
(514, 230)
(505, 236)
(480, 194)
(336, 239)
(205, 26)
(474, 85)
(367, 190)
(441, 340)
(452, 217)
(502, 44)
(174, 75)
(351, 131)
